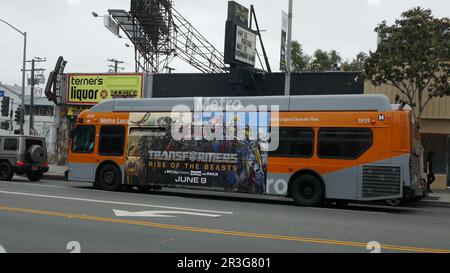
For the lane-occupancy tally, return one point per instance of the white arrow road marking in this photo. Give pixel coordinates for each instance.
(164, 214)
(113, 203)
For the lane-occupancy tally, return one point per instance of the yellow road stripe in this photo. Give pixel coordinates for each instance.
(221, 232)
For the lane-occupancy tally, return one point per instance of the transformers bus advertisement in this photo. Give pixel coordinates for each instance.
(234, 160)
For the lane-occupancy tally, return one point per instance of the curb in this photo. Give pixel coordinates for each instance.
(435, 204)
(55, 177)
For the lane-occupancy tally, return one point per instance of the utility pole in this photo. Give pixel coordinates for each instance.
(33, 81)
(115, 66)
(24, 34)
(287, 90)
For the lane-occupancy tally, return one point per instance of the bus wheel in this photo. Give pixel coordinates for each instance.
(109, 178)
(308, 191)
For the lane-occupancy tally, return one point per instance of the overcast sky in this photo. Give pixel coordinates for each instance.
(67, 28)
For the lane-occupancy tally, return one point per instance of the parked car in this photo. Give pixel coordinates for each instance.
(23, 155)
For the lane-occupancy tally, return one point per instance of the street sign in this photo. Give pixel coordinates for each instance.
(2, 93)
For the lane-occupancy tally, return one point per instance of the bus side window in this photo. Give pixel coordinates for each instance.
(84, 139)
(112, 140)
(344, 143)
(295, 142)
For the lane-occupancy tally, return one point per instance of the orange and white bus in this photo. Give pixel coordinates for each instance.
(328, 148)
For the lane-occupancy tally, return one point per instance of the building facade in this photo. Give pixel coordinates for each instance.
(44, 115)
(435, 130)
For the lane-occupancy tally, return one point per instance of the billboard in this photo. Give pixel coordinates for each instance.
(240, 40)
(90, 89)
(54, 81)
(238, 13)
(155, 157)
(75, 110)
(245, 46)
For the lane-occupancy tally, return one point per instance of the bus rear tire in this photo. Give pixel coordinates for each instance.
(109, 178)
(308, 191)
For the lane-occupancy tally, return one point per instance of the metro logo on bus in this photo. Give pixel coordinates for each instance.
(92, 89)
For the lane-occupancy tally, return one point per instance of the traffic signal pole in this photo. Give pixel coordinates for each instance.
(32, 97)
(11, 115)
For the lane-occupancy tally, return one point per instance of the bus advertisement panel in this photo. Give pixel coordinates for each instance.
(155, 157)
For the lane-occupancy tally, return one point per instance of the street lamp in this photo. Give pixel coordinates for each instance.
(23, 70)
(107, 23)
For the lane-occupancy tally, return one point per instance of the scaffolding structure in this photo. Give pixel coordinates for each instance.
(160, 34)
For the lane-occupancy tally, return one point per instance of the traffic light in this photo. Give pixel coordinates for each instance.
(5, 106)
(19, 116)
(5, 125)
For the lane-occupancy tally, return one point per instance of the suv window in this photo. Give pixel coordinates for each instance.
(11, 144)
(344, 143)
(84, 139)
(112, 140)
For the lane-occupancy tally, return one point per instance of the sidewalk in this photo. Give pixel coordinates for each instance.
(438, 198)
(56, 173)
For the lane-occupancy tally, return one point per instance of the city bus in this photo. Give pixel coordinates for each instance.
(314, 149)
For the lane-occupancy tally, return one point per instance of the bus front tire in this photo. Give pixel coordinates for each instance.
(307, 191)
(109, 178)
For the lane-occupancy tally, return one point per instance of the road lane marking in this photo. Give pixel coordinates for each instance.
(75, 186)
(162, 214)
(221, 232)
(33, 184)
(114, 203)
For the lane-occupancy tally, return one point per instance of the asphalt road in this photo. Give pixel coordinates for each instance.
(61, 216)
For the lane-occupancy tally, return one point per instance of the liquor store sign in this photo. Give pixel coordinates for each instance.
(92, 89)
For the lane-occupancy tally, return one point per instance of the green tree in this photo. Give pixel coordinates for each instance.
(413, 56)
(320, 61)
(325, 61)
(300, 60)
(356, 64)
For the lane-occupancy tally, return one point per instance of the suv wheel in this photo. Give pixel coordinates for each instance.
(6, 171)
(35, 176)
(109, 178)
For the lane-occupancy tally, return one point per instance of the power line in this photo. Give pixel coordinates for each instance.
(114, 67)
